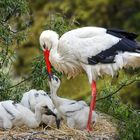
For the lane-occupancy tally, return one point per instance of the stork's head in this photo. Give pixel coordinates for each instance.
(48, 40)
(54, 83)
(43, 108)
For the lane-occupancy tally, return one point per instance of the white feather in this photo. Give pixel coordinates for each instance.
(31, 98)
(25, 99)
(17, 115)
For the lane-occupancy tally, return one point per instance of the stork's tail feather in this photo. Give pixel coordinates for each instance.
(132, 59)
(138, 47)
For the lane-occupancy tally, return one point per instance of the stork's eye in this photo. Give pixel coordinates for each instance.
(44, 46)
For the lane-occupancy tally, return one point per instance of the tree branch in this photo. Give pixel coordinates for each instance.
(22, 80)
(17, 84)
(8, 27)
(2, 63)
(117, 90)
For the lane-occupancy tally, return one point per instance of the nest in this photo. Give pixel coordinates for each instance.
(103, 129)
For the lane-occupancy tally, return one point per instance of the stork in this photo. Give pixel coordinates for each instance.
(95, 50)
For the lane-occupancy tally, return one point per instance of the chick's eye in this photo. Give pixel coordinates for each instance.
(45, 107)
(56, 79)
(36, 94)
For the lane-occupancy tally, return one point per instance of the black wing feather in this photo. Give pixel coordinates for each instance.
(107, 56)
(121, 33)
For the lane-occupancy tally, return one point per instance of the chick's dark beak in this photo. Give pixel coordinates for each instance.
(58, 123)
(49, 112)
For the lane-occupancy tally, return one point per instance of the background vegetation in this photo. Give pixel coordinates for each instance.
(22, 64)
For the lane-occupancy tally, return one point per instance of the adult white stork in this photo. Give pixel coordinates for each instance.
(95, 50)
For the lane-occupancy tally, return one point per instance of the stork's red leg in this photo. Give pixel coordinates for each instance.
(92, 105)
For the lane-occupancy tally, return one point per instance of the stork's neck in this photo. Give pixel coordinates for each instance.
(54, 97)
(54, 44)
(38, 115)
(55, 56)
(54, 50)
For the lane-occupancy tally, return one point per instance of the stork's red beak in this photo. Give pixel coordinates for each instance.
(48, 64)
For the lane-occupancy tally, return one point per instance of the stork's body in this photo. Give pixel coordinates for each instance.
(95, 50)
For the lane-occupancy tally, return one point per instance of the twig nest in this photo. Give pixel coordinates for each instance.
(104, 129)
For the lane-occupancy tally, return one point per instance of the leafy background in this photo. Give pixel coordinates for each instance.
(22, 64)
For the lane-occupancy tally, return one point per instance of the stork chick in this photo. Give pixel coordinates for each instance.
(74, 112)
(31, 98)
(14, 114)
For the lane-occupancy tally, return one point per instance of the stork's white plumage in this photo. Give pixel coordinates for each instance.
(74, 112)
(95, 50)
(14, 114)
(33, 97)
(28, 99)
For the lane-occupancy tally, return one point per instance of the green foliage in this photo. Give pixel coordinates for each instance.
(10, 37)
(4, 84)
(39, 74)
(127, 118)
(10, 91)
(59, 23)
(107, 13)
(10, 34)
(11, 10)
